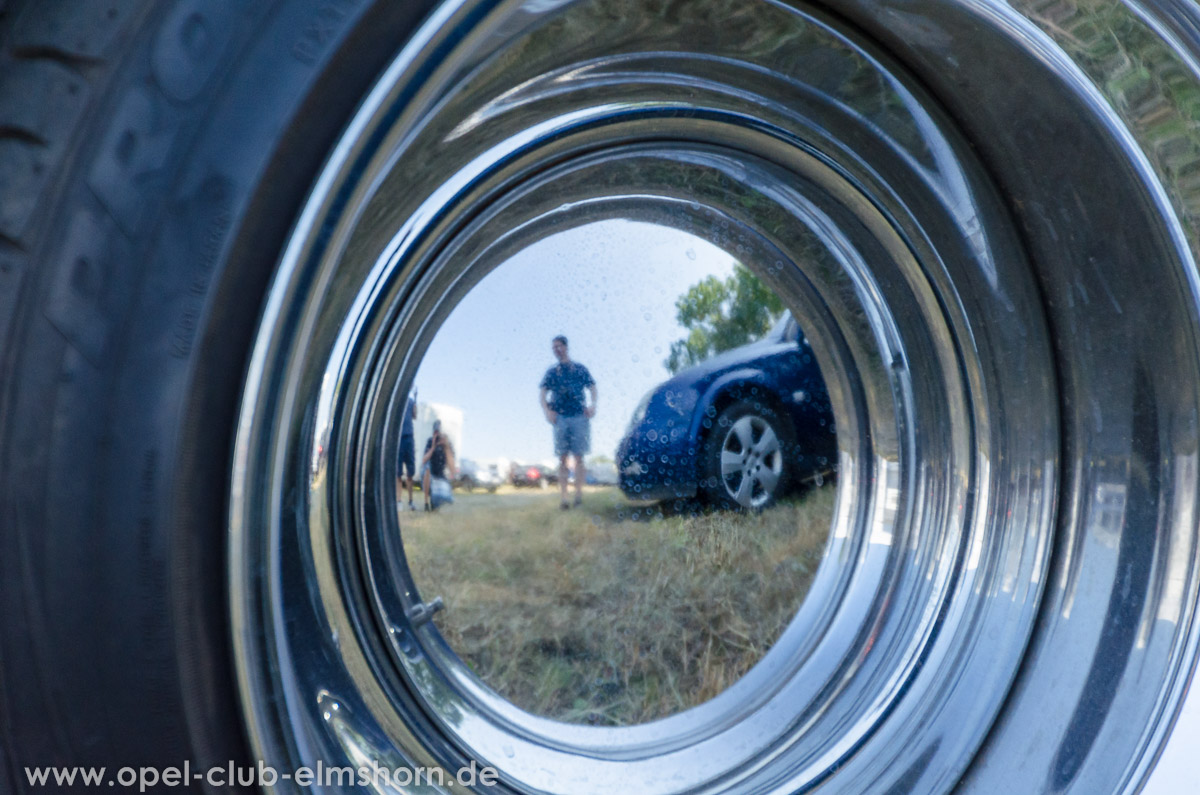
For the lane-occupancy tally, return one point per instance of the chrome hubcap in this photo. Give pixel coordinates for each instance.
(784, 136)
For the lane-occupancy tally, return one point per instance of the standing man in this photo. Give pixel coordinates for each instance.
(566, 409)
(406, 470)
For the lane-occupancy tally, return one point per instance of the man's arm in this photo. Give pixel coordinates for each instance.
(428, 453)
(551, 417)
(590, 411)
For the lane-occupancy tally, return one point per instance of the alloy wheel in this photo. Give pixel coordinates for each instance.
(751, 462)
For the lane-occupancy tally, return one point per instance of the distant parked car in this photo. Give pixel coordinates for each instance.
(473, 475)
(530, 475)
(602, 474)
(737, 430)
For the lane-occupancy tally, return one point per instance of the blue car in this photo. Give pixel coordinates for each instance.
(737, 430)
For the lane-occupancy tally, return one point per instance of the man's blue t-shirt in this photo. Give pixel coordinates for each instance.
(566, 383)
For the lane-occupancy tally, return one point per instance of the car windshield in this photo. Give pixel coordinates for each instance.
(780, 328)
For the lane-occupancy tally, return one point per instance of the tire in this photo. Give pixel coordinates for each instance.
(152, 158)
(748, 457)
(228, 231)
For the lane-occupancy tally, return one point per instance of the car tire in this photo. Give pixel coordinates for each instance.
(748, 457)
(152, 158)
(223, 224)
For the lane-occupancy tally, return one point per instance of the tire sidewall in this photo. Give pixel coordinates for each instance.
(131, 340)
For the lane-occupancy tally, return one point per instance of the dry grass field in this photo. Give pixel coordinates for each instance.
(613, 613)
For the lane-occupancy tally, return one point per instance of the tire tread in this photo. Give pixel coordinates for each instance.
(53, 56)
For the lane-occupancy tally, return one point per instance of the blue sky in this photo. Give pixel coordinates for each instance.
(610, 287)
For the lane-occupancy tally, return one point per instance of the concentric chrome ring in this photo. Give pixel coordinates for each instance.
(954, 328)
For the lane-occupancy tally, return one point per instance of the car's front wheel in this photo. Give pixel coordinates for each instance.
(746, 456)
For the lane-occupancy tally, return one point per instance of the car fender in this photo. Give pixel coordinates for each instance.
(721, 386)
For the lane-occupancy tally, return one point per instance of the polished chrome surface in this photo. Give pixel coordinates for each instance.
(1107, 219)
(1005, 314)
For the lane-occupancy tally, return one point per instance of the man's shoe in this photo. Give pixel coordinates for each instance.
(578, 500)
(411, 507)
(564, 506)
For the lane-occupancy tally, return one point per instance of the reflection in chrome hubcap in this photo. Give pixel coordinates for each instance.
(519, 144)
(751, 462)
(971, 516)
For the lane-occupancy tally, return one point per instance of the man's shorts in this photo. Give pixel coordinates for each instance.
(572, 435)
(407, 458)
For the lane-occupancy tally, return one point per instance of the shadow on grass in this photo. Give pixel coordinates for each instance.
(690, 507)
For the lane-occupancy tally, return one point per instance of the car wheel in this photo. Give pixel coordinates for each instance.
(748, 457)
(228, 231)
(152, 158)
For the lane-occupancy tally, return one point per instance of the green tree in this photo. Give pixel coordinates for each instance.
(722, 314)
